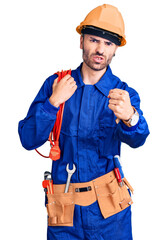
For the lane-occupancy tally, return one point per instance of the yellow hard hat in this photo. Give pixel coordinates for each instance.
(107, 18)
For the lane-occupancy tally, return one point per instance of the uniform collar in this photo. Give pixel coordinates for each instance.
(76, 74)
(107, 82)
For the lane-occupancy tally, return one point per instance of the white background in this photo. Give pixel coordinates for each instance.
(38, 38)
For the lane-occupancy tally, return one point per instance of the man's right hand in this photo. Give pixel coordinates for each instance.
(63, 90)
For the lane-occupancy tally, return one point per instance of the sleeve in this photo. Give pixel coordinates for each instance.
(133, 136)
(35, 128)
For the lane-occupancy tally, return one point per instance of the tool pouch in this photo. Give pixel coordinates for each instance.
(113, 198)
(60, 209)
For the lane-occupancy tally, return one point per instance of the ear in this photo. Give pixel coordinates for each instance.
(116, 48)
(81, 41)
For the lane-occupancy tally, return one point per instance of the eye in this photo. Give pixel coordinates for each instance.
(93, 40)
(109, 43)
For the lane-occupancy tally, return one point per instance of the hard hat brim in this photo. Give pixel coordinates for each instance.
(80, 27)
(113, 37)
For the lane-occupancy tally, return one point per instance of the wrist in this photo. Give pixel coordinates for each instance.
(133, 120)
(54, 101)
(132, 111)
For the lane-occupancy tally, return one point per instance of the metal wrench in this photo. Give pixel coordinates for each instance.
(70, 172)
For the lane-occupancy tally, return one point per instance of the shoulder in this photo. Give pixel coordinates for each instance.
(124, 86)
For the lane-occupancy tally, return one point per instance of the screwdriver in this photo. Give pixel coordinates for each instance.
(118, 170)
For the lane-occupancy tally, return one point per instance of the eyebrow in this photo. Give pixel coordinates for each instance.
(94, 38)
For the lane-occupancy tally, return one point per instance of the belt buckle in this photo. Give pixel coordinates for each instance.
(84, 189)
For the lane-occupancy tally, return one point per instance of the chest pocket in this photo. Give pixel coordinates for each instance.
(107, 127)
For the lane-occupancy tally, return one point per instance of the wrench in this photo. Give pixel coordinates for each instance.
(70, 172)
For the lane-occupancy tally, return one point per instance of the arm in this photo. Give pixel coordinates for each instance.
(34, 130)
(121, 102)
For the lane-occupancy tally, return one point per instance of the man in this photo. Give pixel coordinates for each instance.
(100, 112)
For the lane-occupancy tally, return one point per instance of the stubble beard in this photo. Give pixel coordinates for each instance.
(95, 66)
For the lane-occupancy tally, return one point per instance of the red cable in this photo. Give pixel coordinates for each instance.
(55, 133)
(41, 154)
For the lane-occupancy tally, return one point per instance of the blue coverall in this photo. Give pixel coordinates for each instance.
(89, 138)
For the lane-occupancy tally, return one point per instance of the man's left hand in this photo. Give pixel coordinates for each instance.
(120, 104)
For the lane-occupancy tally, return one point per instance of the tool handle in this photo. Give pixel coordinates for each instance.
(118, 175)
(67, 183)
(51, 187)
(48, 185)
(66, 187)
(117, 164)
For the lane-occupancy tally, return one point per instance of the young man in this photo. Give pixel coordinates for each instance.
(100, 112)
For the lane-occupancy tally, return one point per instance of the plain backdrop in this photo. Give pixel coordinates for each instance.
(38, 38)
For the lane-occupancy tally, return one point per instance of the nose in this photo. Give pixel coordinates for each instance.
(100, 49)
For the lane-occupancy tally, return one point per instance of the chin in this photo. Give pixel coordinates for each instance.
(96, 66)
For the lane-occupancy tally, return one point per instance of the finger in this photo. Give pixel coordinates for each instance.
(115, 102)
(115, 108)
(66, 78)
(117, 96)
(116, 90)
(70, 80)
(75, 87)
(112, 107)
(73, 83)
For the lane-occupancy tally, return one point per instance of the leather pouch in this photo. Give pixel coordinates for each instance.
(60, 209)
(112, 198)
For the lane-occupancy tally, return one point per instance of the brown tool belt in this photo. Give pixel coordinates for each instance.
(112, 198)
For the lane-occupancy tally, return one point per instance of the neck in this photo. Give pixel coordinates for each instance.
(89, 76)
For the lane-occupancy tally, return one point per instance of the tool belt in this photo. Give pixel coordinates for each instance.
(112, 198)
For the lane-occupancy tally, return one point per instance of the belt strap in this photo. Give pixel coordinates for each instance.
(85, 198)
(85, 193)
(128, 185)
(84, 189)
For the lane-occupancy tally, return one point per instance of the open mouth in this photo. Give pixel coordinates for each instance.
(98, 59)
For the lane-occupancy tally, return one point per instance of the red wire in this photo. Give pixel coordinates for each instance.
(54, 135)
(41, 154)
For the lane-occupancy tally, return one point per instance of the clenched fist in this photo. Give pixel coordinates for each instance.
(120, 104)
(63, 90)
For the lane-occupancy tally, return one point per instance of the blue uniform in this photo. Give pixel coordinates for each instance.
(89, 138)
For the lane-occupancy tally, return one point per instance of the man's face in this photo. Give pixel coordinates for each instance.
(97, 51)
